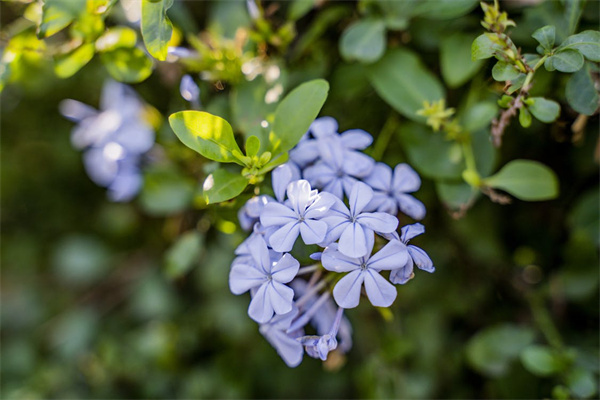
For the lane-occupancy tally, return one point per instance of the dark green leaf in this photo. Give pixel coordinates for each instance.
(541, 360)
(526, 180)
(545, 36)
(479, 116)
(586, 42)
(455, 194)
(127, 65)
(429, 153)
(585, 216)
(117, 37)
(223, 185)
(567, 60)
(443, 9)
(483, 47)
(504, 71)
(455, 59)
(581, 92)
(404, 82)
(180, 257)
(156, 27)
(491, 351)
(66, 65)
(205, 133)
(543, 109)
(363, 41)
(295, 113)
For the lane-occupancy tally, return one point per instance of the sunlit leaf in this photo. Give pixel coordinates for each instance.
(127, 65)
(526, 180)
(223, 185)
(156, 27)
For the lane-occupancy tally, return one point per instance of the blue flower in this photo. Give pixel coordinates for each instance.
(190, 91)
(275, 331)
(250, 212)
(266, 279)
(320, 346)
(300, 214)
(365, 270)
(391, 190)
(417, 256)
(354, 227)
(281, 177)
(113, 139)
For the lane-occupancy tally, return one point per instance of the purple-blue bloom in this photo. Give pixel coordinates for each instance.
(391, 190)
(365, 270)
(275, 331)
(250, 212)
(417, 256)
(266, 279)
(300, 214)
(320, 346)
(353, 227)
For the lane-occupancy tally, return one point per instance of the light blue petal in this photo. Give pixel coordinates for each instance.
(282, 240)
(356, 139)
(405, 180)
(382, 202)
(380, 177)
(256, 204)
(391, 256)
(335, 187)
(357, 164)
(243, 277)
(260, 308)
(410, 206)
(281, 178)
(353, 242)
(313, 231)
(320, 207)
(421, 259)
(378, 221)
(333, 260)
(324, 126)
(305, 152)
(320, 174)
(380, 292)
(347, 291)
(360, 196)
(285, 269)
(281, 297)
(260, 253)
(410, 231)
(402, 275)
(277, 214)
(300, 195)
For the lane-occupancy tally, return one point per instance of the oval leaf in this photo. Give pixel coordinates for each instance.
(545, 36)
(526, 180)
(568, 60)
(403, 81)
(223, 185)
(156, 27)
(205, 133)
(483, 48)
(115, 38)
(581, 93)
(543, 109)
(363, 41)
(67, 65)
(455, 59)
(295, 113)
(541, 360)
(504, 71)
(586, 42)
(180, 257)
(127, 65)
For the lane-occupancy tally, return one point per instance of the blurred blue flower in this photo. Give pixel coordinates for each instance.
(390, 190)
(190, 91)
(250, 212)
(275, 331)
(300, 214)
(113, 139)
(353, 227)
(380, 292)
(417, 256)
(266, 279)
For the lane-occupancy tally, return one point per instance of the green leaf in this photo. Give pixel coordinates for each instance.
(58, 14)
(295, 113)
(455, 194)
(223, 185)
(166, 192)
(524, 117)
(581, 92)
(156, 27)
(582, 383)
(299, 8)
(526, 180)
(66, 65)
(479, 116)
(491, 350)
(182, 255)
(567, 60)
(127, 65)
(483, 47)
(541, 360)
(115, 38)
(543, 109)
(429, 152)
(586, 42)
(403, 81)
(504, 71)
(443, 9)
(545, 36)
(364, 41)
(206, 134)
(252, 146)
(455, 59)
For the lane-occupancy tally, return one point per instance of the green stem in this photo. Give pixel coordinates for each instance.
(529, 76)
(384, 137)
(470, 175)
(544, 321)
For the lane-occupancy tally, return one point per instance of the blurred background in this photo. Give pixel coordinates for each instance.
(105, 299)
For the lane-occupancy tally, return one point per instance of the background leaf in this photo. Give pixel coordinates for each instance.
(127, 65)
(223, 185)
(455, 59)
(66, 65)
(581, 92)
(526, 180)
(363, 41)
(182, 255)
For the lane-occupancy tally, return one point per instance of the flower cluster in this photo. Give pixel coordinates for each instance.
(352, 212)
(113, 139)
